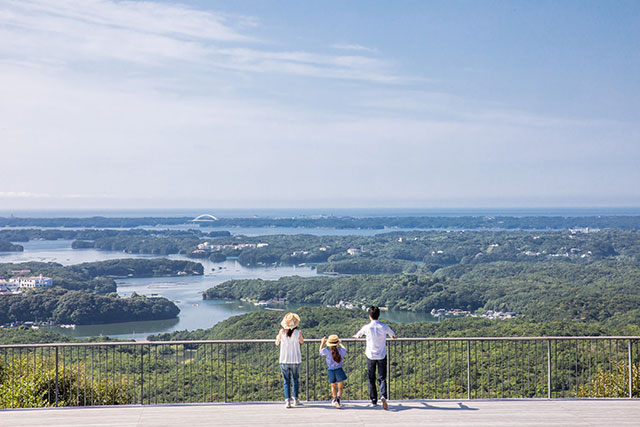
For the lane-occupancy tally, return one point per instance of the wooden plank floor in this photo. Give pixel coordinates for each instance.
(401, 413)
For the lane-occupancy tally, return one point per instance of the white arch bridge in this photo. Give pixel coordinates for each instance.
(204, 218)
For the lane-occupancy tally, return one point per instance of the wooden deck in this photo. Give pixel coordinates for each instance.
(401, 413)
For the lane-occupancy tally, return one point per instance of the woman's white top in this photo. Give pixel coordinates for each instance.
(290, 347)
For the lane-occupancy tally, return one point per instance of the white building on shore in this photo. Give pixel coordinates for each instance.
(31, 282)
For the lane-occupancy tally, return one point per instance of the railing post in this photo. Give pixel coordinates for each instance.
(468, 370)
(142, 374)
(225, 371)
(307, 379)
(548, 369)
(630, 372)
(389, 370)
(56, 375)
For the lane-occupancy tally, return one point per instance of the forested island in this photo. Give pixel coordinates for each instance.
(63, 306)
(603, 291)
(6, 246)
(26, 234)
(347, 222)
(157, 245)
(85, 293)
(422, 251)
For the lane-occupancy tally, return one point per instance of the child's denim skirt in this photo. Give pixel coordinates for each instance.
(337, 375)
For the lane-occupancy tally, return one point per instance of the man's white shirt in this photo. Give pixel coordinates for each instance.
(376, 334)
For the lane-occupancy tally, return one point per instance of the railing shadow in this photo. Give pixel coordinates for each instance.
(393, 407)
(461, 407)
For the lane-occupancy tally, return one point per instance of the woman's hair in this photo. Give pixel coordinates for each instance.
(335, 354)
(290, 331)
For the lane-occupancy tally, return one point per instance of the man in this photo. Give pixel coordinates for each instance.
(376, 353)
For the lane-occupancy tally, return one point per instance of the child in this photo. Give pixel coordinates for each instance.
(289, 339)
(334, 353)
(376, 353)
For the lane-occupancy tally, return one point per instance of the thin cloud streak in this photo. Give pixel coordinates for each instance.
(156, 34)
(356, 47)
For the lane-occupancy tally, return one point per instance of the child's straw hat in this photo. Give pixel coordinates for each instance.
(334, 341)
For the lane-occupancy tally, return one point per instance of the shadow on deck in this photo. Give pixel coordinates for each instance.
(615, 412)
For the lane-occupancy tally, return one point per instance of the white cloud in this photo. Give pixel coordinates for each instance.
(22, 195)
(90, 33)
(353, 46)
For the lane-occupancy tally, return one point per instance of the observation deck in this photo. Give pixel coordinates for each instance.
(440, 413)
(524, 381)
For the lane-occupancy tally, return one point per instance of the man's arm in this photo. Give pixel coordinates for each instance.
(391, 333)
(360, 332)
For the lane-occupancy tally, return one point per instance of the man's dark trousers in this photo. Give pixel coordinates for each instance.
(381, 366)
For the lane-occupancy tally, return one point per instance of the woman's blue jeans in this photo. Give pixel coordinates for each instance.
(290, 374)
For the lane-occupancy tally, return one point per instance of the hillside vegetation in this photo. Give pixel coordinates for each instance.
(607, 291)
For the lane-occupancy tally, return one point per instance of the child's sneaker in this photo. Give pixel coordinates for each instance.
(384, 403)
(296, 402)
(287, 403)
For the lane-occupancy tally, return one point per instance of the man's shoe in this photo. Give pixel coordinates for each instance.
(384, 403)
(296, 402)
(372, 405)
(338, 404)
(287, 403)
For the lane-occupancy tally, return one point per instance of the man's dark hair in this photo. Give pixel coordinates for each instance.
(374, 312)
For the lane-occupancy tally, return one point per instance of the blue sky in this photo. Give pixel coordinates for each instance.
(110, 104)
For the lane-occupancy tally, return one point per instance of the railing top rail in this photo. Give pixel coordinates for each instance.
(315, 340)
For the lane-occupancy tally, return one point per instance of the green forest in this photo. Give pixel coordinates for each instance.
(6, 246)
(228, 371)
(557, 282)
(85, 293)
(425, 251)
(63, 306)
(603, 291)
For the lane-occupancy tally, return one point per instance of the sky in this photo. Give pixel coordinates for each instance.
(253, 104)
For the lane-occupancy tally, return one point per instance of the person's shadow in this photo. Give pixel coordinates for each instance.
(398, 407)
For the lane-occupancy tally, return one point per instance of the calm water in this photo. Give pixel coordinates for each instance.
(186, 292)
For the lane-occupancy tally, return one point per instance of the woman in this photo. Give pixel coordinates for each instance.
(289, 339)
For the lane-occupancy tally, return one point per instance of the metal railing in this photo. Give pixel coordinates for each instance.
(82, 374)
